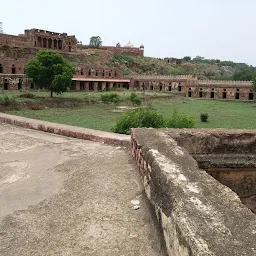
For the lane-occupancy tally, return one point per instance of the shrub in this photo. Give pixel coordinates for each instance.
(204, 117)
(110, 97)
(36, 107)
(7, 100)
(135, 99)
(180, 121)
(123, 58)
(28, 95)
(138, 118)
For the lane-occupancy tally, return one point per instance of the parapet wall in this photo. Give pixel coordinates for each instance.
(199, 216)
(133, 51)
(219, 83)
(12, 40)
(155, 77)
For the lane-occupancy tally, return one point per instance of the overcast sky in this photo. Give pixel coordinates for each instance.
(220, 29)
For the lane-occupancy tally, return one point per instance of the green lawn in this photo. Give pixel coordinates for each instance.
(222, 114)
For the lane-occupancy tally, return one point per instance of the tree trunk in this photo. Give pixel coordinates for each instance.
(51, 93)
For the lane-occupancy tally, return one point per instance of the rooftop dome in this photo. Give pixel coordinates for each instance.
(129, 45)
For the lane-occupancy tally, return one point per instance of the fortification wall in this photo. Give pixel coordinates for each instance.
(120, 50)
(199, 216)
(12, 40)
(226, 84)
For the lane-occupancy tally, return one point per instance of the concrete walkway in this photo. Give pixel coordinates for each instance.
(65, 196)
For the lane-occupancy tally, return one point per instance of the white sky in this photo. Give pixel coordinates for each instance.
(223, 29)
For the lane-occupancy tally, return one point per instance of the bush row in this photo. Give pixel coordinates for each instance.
(7, 99)
(148, 118)
(110, 97)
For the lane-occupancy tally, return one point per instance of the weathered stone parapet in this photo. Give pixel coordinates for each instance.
(67, 130)
(199, 216)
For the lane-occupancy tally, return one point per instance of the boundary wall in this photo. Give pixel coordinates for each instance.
(199, 216)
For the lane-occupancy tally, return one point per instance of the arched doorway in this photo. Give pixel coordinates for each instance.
(99, 87)
(49, 43)
(55, 44)
(59, 44)
(91, 88)
(44, 43)
(39, 42)
(13, 69)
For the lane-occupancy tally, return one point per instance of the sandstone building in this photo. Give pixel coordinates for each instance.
(16, 51)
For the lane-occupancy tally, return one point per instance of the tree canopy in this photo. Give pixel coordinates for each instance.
(51, 71)
(187, 58)
(254, 83)
(95, 41)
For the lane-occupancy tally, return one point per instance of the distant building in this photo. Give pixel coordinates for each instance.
(173, 61)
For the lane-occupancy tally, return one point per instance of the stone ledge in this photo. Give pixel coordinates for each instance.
(199, 216)
(67, 130)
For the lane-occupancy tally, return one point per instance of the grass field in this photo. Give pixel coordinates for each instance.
(222, 114)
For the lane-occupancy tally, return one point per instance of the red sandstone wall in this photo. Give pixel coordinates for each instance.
(8, 64)
(101, 72)
(11, 40)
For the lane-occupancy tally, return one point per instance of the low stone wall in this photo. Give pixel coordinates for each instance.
(67, 130)
(199, 216)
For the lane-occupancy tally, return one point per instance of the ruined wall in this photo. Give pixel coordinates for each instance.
(229, 157)
(51, 40)
(120, 50)
(190, 86)
(173, 60)
(98, 72)
(11, 40)
(15, 82)
(199, 216)
(37, 38)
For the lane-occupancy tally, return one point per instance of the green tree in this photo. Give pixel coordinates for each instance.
(244, 75)
(254, 83)
(95, 42)
(51, 71)
(187, 58)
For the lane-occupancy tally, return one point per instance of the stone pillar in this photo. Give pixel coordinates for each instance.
(87, 86)
(77, 85)
(104, 85)
(110, 85)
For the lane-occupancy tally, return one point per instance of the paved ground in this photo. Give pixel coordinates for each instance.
(64, 196)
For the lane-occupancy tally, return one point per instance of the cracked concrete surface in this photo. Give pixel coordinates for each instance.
(64, 196)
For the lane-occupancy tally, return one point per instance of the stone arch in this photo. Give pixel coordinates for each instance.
(49, 43)
(6, 84)
(91, 87)
(39, 41)
(55, 44)
(13, 69)
(20, 84)
(59, 44)
(99, 88)
(44, 43)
